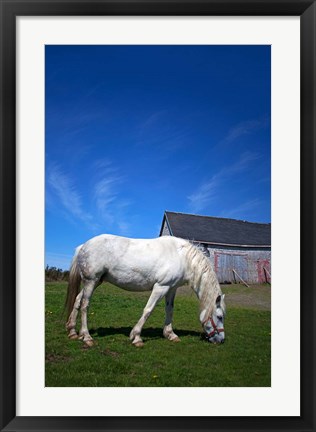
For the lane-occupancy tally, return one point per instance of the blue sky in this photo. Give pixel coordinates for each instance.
(132, 131)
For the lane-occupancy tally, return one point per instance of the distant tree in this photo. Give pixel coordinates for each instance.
(55, 274)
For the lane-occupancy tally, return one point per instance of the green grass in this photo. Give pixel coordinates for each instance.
(243, 360)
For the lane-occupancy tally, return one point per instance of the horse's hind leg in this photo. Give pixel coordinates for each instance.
(71, 323)
(88, 288)
(157, 294)
(168, 331)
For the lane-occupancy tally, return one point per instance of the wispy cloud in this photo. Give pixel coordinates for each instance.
(239, 211)
(152, 120)
(203, 196)
(110, 204)
(124, 228)
(107, 207)
(243, 163)
(106, 194)
(63, 187)
(101, 164)
(159, 131)
(59, 260)
(210, 189)
(246, 127)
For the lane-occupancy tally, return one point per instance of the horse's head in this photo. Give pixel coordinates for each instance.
(213, 325)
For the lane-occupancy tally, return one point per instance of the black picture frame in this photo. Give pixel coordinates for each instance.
(10, 9)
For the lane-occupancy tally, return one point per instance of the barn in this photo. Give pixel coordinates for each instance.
(240, 251)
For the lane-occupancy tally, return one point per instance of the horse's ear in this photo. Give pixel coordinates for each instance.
(218, 301)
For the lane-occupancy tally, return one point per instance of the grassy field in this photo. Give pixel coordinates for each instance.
(243, 360)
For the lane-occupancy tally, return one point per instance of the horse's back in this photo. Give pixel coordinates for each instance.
(133, 263)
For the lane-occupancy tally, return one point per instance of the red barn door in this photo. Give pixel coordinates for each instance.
(264, 271)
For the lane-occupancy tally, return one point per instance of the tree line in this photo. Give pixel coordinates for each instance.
(55, 274)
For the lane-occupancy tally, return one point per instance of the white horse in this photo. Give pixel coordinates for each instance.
(158, 265)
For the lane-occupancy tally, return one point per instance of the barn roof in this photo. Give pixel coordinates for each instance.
(218, 231)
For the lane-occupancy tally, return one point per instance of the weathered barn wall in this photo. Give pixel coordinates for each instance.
(165, 229)
(252, 266)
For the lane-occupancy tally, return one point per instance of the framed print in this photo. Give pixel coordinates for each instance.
(256, 61)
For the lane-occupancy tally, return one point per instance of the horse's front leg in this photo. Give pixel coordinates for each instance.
(157, 294)
(167, 330)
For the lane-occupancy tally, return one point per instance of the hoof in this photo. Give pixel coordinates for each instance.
(88, 343)
(176, 339)
(73, 337)
(138, 344)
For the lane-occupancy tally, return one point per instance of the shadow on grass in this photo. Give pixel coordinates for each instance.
(152, 333)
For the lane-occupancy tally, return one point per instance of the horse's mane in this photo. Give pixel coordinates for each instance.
(203, 279)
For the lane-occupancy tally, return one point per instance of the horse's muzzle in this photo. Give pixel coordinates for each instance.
(216, 339)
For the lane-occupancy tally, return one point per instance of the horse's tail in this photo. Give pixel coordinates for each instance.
(73, 284)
